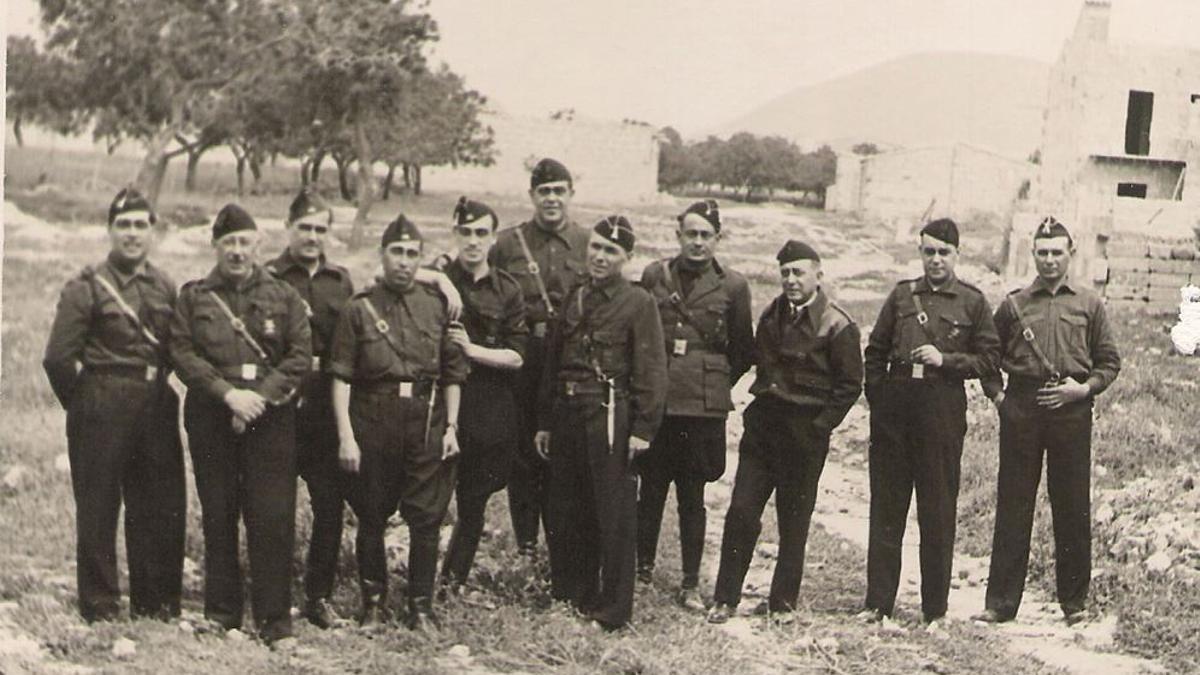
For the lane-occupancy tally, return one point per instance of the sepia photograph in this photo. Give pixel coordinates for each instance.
(605, 336)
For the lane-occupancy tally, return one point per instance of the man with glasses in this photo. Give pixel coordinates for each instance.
(1058, 350)
(492, 335)
(932, 333)
(325, 288)
(546, 256)
(107, 363)
(709, 340)
(809, 373)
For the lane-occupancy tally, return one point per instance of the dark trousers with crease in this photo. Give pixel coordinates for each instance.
(528, 492)
(672, 459)
(593, 510)
(124, 446)
(917, 429)
(479, 477)
(399, 469)
(317, 458)
(250, 477)
(1064, 437)
(782, 453)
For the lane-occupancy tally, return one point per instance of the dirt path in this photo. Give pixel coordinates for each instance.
(842, 509)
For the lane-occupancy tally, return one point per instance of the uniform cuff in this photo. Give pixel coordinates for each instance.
(341, 371)
(219, 388)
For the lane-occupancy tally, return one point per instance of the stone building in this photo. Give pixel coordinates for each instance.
(901, 186)
(610, 161)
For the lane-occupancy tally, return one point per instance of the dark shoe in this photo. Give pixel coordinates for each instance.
(781, 617)
(645, 575)
(720, 613)
(421, 617)
(1076, 617)
(991, 616)
(374, 605)
(689, 598)
(320, 613)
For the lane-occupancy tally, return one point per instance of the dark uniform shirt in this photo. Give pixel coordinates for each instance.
(416, 320)
(324, 292)
(959, 319)
(809, 357)
(210, 356)
(559, 257)
(613, 326)
(1070, 326)
(493, 312)
(707, 332)
(91, 329)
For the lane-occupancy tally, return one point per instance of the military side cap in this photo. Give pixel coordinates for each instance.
(618, 230)
(706, 209)
(467, 211)
(942, 229)
(232, 218)
(549, 171)
(308, 203)
(1050, 228)
(795, 250)
(400, 229)
(128, 199)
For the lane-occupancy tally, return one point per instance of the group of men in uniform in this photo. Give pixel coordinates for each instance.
(527, 360)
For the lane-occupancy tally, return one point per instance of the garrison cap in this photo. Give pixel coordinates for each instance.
(232, 218)
(1050, 228)
(942, 229)
(128, 199)
(549, 171)
(467, 211)
(618, 230)
(400, 229)
(706, 209)
(307, 203)
(795, 250)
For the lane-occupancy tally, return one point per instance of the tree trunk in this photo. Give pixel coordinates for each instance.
(193, 163)
(406, 169)
(387, 182)
(416, 184)
(318, 157)
(254, 159)
(241, 176)
(305, 172)
(17, 131)
(343, 167)
(150, 175)
(366, 184)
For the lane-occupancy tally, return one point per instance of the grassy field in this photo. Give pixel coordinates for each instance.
(508, 623)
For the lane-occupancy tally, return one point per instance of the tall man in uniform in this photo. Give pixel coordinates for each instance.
(709, 339)
(396, 399)
(1059, 353)
(809, 373)
(241, 342)
(325, 288)
(932, 333)
(492, 336)
(107, 362)
(546, 257)
(604, 390)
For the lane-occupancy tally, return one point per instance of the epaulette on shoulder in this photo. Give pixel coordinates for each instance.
(836, 307)
(363, 292)
(191, 285)
(270, 267)
(970, 285)
(505, 277)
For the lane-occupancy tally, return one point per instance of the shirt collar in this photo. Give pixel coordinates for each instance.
(813, 308)
(216, 280)
(142, 269)
(559, 233)
(1040, 286)
(608, 287)
(950, 288)
(286, 261)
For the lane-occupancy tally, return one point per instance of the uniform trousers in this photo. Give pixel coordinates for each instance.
(317, 458)
(529, 477)
(592, 520)
(400, 468)
(917, 429)
(1029, 432)
(781, 452)
(679, 454)
(249, 476)
(123, 443)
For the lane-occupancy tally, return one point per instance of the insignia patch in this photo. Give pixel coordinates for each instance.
(269, 326)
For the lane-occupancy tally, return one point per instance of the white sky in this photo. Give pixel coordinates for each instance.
(694, 64)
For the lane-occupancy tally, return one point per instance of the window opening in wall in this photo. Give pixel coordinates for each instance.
(1137, 190)
(1137, 122)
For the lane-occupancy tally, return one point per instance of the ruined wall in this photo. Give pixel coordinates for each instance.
(610, 161)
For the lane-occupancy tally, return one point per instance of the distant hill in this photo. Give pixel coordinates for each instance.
(989, 100)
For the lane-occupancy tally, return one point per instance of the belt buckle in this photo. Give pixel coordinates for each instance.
(405, 390)
(570, 388)
(539, 329)
(249, 371)
(918, 371)
(151, 373)
(316, 363)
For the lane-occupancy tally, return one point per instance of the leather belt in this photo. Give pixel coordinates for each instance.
(394, 388)
(142, 373)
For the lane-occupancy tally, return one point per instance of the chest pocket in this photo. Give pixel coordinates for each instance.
(115, 326)
(1073, 337)
(214, 335)
(608, 348)
(488, 325)
(375, 356)
(267, 322)
(954, 331)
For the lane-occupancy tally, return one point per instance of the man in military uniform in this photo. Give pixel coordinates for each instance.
(1058, 350)
(325, 288)
(604, 389)
(809, 373)
(241, 342)
(492, 336)
(107, 363)
(396, 399)
(546, 256)
(932, 333)
(709, 339)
